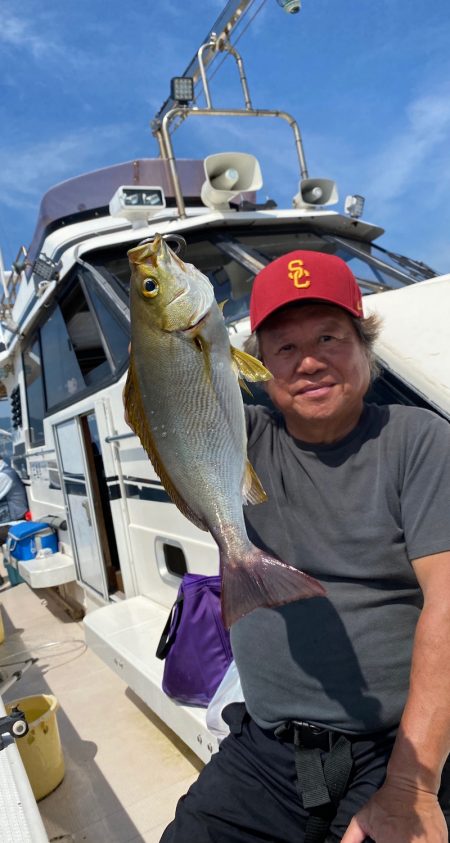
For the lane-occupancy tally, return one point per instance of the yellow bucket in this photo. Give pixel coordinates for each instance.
(40, 749)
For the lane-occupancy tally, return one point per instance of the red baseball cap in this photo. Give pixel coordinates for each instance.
(303, 276)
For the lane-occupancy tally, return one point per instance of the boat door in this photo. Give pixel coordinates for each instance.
(77, 446)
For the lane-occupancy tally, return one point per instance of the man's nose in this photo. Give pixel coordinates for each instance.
(309, 363)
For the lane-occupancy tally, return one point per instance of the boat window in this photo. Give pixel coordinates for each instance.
(231, 280)
(113, 265)
(34, 388)
(175, 559)
(418, 270)
(230, 257)
(373, 276)
(63, 377)
(85, 337)
(115, 334)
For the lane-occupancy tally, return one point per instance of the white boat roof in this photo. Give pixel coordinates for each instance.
(415, 340)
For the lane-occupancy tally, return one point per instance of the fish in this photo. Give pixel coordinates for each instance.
(182, 398)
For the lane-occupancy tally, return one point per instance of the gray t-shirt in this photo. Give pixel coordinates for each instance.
(353, 514)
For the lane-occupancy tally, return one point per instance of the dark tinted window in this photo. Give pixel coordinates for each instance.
(114, 332)
(63, 377)
(35, 392)
(84, 335)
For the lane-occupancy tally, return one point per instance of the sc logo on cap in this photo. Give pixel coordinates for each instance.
(297, 273)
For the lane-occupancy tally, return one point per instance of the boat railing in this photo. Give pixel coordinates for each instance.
(169, 118)
(10, 281)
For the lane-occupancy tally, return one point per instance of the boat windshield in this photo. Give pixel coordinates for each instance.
(231, 257)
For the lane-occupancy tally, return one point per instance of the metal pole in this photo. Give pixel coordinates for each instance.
(170, 157)
(242, 75)
(3, 277)
(210, 45)
(225, 112)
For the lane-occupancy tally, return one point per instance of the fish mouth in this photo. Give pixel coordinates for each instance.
(194, 325)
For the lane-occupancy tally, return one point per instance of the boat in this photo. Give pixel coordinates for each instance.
(64, 332)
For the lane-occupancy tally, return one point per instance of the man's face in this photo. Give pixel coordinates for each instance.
(320, 370)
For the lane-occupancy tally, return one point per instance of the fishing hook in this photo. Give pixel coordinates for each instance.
(180, 242)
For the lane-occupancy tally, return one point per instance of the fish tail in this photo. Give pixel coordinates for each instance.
(260, 580)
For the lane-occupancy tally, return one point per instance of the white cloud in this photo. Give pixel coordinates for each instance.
(39, 166)
(414, 152)
(16, 31)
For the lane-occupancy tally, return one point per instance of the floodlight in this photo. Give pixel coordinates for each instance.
(137, 203)
(182, 89)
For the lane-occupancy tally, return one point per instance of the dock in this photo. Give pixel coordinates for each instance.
(124, 769)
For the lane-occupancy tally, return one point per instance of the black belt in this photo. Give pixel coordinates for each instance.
(307, 735)
(321, 780)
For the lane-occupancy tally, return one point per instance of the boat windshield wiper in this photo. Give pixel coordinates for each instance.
(410, 263)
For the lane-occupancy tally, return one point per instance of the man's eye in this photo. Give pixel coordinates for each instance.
(326, 338)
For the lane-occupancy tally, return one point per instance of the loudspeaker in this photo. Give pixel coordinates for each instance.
(316, 192)
(227, 175)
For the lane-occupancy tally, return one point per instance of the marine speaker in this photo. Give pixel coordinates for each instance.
(227, 175)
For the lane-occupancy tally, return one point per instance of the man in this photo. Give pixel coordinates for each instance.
(12, 493)
(346, 725)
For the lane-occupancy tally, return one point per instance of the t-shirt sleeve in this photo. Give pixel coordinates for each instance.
(425, 486)
(257, 418)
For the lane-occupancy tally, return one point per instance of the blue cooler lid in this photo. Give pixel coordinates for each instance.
(27, 528)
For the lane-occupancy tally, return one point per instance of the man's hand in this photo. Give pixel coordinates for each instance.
(399, 813)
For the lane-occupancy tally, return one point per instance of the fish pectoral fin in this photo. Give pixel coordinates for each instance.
(137, 419)
(244, 386)
(252, 490)
(249, 367)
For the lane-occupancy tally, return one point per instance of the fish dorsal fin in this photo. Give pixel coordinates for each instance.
(249, 367)
(252, 490)
(137, 419)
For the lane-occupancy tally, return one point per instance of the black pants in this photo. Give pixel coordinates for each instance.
(248, 790)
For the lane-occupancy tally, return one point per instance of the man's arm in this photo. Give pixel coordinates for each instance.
(406, 807)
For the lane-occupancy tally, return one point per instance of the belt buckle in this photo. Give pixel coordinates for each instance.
(310, 727)
(307, 735)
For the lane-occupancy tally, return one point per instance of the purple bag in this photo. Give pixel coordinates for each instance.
(194, 643)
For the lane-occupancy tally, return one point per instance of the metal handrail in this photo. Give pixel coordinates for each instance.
(184, 111)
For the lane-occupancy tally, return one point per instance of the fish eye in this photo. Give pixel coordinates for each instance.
(150, 288)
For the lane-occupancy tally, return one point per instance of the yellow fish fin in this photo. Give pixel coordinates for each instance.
(252, 490)
(137, 419)
(244, 386)
(249, 367)
(204, 347)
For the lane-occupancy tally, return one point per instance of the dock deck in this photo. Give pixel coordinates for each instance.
(125, 770)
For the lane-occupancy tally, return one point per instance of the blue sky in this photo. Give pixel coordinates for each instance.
(367, 80)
